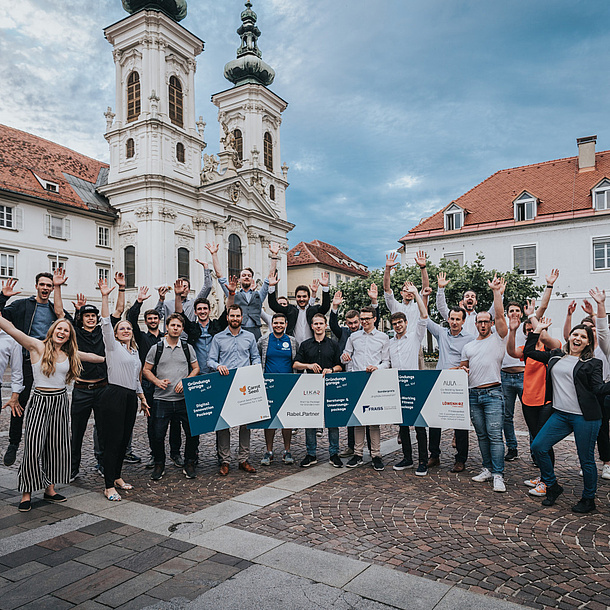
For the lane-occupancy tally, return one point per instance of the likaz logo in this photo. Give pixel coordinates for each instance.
(311, 392)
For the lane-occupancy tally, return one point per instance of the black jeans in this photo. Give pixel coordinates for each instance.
(165, 411)
(422, 441)
(603, 438)
(535, 418)
(175, 437)
(461, 444)
(83, 402)
(15, 430)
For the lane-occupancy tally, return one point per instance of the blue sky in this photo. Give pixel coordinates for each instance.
(395, 107)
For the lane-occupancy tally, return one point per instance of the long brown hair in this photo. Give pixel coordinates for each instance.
(70, 348)
(588, 351)
(133, 346)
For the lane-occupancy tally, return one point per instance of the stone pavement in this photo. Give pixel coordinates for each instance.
(300, 538)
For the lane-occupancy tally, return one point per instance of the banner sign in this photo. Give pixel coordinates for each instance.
(216, 402)
(435, 399)
(295, 401)
(362, 399)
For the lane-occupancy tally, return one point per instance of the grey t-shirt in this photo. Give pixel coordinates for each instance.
(564, 392)
(42, 321)
(172, 366)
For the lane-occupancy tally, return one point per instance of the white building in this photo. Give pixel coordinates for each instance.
(153, 209)
(538, 217)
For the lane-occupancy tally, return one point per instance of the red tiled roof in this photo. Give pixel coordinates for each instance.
(22, 155)
(319, 252)
(562, 192)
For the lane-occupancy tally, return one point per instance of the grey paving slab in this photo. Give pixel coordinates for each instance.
(90, 502)
(222, 513)
(140, 541)
(105, 556)
(140, 602)
(307, 478)
(96, 542)
(460, 599)
(94, 585)
(30, 553)
(24, 571)
(397, 588)
(48, 602)
(236, 542)
(327, 568)
(61, 556)
(136, 586)
(263, 496)
(138, 515)
(145, 560)
(45, 532)
(177, 565)
(263, 587)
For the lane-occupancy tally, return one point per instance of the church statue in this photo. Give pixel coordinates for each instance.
(229, 140)
(176, 9)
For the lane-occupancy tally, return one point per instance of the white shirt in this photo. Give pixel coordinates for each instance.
(603, 341)
(124, 364)
(404, 352)
(302, 330)
(11, 353)
(484, 358)
(410, 309)
(470, 326)
(520, 339)
(368, 349)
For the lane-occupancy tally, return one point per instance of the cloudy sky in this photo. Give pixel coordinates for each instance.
(396, 107)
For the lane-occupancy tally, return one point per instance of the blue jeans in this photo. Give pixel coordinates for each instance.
(487, 416)
(311, 441)
(557, 427)
(512, 386)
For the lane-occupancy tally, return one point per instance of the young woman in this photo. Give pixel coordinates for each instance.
(573, 382)
(56, 361)
(120, 400)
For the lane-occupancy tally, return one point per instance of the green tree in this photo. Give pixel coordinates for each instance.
(471, 276)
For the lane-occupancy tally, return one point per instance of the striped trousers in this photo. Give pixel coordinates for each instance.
(46, 451)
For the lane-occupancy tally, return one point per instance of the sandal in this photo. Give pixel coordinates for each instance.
(124, 487)
(113, 497)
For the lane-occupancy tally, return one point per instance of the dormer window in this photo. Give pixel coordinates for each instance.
(601, 197)
(454, 218)
(525, 207)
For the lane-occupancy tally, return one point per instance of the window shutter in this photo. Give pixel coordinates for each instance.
(67, 229)
(18, 218)
(47, 224)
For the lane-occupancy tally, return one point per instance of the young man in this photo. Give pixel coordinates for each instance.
(482, 359)
(231, 349)
(367, 350)
(166, 366)
(249, 300)
(11, 355)
(278, 351)
(319, 355)
(404, 354)
(34, 317)
(299, 316)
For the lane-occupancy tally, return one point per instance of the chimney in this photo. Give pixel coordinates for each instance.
(586, 153)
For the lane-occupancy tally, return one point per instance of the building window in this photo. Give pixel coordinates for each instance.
(339, 278)
(57, 264)
(268, 151)
(175, 101)
(6, 216)
(525, 207)
(103, 273)
(130, 267)
(239, 143)
(235, 263)
(184, 266)
(7, 264)
(57, 227)
(601, 253)
(454, 218)
(133, 97)
(601, 199)
(180, 152)
(524, 259)
(130, 148)
(103, 237)
(271, 192)
(454, 256)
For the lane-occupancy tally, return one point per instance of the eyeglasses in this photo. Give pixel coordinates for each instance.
(366, 319)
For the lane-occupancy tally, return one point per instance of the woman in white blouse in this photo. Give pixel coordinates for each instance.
(120, 402)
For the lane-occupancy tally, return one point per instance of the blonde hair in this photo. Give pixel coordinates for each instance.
(70, 348)
(132, 343)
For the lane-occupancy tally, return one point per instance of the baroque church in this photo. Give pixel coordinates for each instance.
(151, 211)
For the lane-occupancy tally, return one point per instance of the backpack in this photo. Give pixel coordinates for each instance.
(159, 352)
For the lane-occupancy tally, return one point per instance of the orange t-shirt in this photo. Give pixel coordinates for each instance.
(534, 383)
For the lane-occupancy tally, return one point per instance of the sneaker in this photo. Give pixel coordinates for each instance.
(434, 461)
(73, 476)
(309, 460)
(287, 458)
(378, 464)
(99, 469)
(421, 470)
(403, 464)
(347, 453)
(355, 461)
(319, 432)
(335, 460)
(132, 458)
(532, 482)
(584, 505)
(499, 483)
(580, 473)
(606, 471)
(11, 455)
(178, 461)
(266, 461)
(552, 493)
(483, 476)
(189, 470)
(151, 463)
(158, 472)
(539, 490)
(511, 455)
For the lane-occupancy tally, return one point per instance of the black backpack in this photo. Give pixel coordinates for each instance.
(159, 352)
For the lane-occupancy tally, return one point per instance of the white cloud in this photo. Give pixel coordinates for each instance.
(404, 182)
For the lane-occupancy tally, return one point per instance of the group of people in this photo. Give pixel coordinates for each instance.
(114, 364)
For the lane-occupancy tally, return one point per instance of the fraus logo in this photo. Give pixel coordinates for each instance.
(366, 408)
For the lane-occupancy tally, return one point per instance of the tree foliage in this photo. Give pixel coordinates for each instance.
(470, 276)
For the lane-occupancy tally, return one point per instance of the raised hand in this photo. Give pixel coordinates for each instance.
(59, 276)
(373, 292)
(273, 278)
(274, 248)
(81, 300)
(420, 259)
(426, 292)
(408, 285)
(324, 279)
(119, 279)
(543, 324)
(105, 290)
(179, 287)
(599, 296)
(233, 282)
(552, 277)
(571, 308)
(8, 288)
(163, 290)
(497, 284)
(337, 299)
(212, 248)
(314, 287)
(143, 294)
(391, 260)
(202, 263)
(514, 323)
(442, 280)
(588, 308)
(411, 288)
(530, 307)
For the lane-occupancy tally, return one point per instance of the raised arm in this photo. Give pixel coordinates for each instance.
(179, 288)
(497, 285)
(601, 321)
(423, 311)
(119, 280)
(390, 262)
(160, 306)
(420, 260)
(207, 281)
(105, 290)
(324, 282)
(548, 291)
(334, 315)
(529, 350)
(273, 304)
(8, 291)
(441, 300)
(511, 349)
(213, 250)
(567, 325)
(59, 278)
(274, 249)
(27, 342)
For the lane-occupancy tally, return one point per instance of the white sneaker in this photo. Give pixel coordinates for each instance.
(580, 473)
(483, 476)
(539, 490)
(606, 471)
(499, 483)
(532, 482)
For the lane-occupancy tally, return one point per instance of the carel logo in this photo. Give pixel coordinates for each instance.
(243, 390)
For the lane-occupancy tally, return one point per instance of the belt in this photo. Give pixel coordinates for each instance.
(83, 385)
(488, 387)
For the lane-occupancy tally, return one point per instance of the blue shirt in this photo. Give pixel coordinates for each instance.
(449, 346)
(202, 348)
(279, 355)
(42, 320)
(233, 351)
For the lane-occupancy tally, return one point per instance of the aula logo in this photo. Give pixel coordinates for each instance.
(311, 392)
(366, 408)
(449, 382)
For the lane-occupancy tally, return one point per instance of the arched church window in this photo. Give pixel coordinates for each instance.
(130, 148)
(239, 143)
(133, 96)
(235, 262)
(271, 192)
(175, 101)
(130, 267)
(184, 264)
(268, 151)
(180, 152)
